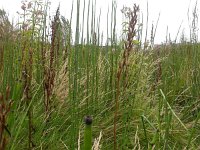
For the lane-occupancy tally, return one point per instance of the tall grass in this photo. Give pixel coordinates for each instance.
(139, 98)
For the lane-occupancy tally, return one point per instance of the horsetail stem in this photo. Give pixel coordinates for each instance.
(88, 133)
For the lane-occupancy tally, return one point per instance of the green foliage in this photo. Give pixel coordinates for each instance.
(158, 100)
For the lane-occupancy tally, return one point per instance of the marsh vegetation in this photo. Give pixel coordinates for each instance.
(140, 96)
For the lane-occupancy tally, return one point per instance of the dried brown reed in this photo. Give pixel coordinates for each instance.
(27, 79)
(49, 73)
(131, 15)
(5, 105)
(1, 58)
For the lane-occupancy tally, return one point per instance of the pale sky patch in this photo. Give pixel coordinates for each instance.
(172, 13)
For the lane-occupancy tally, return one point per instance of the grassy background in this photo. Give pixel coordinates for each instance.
(54, 82)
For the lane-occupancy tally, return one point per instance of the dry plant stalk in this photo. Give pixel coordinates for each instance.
(5, 105)
(49, 73)
(79, 140)
(96, 145)
(1, 57)
(27, 79)
(131, 15)
(27, 70)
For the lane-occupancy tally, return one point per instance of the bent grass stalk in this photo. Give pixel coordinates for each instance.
(170, 108)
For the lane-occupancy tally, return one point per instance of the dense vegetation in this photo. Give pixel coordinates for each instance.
(139, 97)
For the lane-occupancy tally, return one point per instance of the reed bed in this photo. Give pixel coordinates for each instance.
(139, 97)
